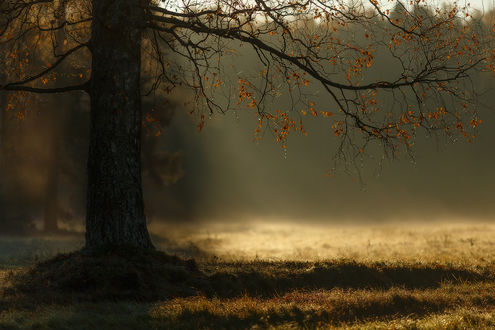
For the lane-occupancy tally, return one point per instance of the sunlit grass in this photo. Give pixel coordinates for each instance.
(409, 241)
(399, 308)
(290, 276)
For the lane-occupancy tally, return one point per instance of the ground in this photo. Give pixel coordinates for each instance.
(276, 275)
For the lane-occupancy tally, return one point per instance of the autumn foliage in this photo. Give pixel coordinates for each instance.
(431, 55)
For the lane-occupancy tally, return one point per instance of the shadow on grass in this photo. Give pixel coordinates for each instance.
(22, 251)
(237, 295)
(246, 312)
(275, 278)
(293, 317)
(127, 274)
(113, 274)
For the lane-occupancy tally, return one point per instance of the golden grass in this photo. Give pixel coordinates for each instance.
(445, 307)
(406, 277)
(448, 242)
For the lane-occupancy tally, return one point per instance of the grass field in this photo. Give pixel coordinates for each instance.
(286, 276)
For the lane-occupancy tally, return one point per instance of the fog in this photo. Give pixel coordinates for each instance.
(277, 240)
(231, 177)
(227, 174)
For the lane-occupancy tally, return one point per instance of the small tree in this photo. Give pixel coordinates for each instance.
(332, 44)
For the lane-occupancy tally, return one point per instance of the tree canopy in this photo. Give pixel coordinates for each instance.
(427, 57)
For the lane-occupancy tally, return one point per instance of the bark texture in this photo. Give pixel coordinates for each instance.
(115, 210)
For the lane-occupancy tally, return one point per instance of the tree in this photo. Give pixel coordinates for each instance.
(52, 207)
(298, 44)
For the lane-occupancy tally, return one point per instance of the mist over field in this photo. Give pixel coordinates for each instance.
(230, 177)
(466, 244)
(407, 242)
(310, 165)
(229, 173)
(227, 176)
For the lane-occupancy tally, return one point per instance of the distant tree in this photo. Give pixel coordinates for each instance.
(298, 44)
(160, 166)
(14, 218)
(52, 208)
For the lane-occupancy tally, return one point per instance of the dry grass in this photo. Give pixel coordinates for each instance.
(448, 242)
(449, 283)
(446, 307)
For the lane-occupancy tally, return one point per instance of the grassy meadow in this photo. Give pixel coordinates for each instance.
(278, 275)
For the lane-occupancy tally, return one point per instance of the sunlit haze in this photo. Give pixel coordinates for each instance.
(247, 164)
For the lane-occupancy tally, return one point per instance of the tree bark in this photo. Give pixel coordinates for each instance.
(115, 208)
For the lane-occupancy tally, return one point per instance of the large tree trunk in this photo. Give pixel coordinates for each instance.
(115, 210)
